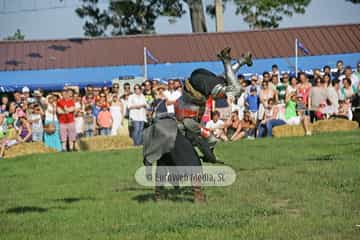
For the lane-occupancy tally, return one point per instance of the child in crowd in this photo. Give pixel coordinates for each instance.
(79, 124)
(10, 139)
(89, 122)
(343, 111)
(35, 119)
(104, 120)
(252, 102)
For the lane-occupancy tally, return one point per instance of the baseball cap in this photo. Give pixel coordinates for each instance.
(253, 89)
(25, 89)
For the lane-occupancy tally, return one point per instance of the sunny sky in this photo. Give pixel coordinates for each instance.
(50, 19)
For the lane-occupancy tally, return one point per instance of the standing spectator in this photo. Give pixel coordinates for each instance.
(115, 89)
(318, 95)
(79, 124)
(333, 96)
(304, 89)
(275, 70)
(89, 122)
(348, 90)
(171, 96)
(327, 70)
(349, 74)
(105, 120)
(281, 88)
(149, 97)
(292, 87)
(35, 119)
(356, 75)
(137, 114)
(51, 126)
(241, 102)
(116, 110)
(65, 110)
(4, 104)
(254, 84)
(265, 94)
(159, 105)
(252, 103)
(340, 69)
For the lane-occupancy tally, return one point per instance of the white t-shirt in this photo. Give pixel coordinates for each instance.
(37, 122)
(79, 123)
(171, 96)
(213, 125)
(137, 114)
(50, 114)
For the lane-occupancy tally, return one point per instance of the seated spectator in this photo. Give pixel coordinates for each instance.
(89, 122)
(271, 119)
(248, 125)
(320, 112)
(10, 139)
(343, 111)
(105, 120)
(295, 112)
(252, 103)
(216, 126)
(233, 127)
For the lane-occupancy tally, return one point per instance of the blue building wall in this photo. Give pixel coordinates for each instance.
(58, 78)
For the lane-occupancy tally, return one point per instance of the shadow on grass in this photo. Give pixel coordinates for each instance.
(29, 209)
(73, 199)
(183, 194)
(327, 157)
(26, 209)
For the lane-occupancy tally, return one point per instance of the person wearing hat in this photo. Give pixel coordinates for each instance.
(252, 103)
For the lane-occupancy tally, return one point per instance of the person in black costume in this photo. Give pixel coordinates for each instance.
(170, 140)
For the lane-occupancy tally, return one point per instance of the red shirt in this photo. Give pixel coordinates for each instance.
(66, 117)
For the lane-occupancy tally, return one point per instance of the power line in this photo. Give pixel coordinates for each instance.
(39, 9)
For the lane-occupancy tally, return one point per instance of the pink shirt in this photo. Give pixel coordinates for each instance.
(104, 119)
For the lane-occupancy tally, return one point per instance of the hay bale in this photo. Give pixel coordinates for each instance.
(317, 127)
(27, 149)
(288, 131)
(334, 125)
(101, 143)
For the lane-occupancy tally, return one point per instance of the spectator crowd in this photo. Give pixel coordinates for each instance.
(60, 119)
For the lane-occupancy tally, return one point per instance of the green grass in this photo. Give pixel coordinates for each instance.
(290, 188)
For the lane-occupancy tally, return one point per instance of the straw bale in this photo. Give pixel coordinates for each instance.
(101, 143)
(27, 149)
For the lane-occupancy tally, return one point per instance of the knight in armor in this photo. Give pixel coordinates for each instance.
(170, 140)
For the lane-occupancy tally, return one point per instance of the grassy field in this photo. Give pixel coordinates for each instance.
(290, 188)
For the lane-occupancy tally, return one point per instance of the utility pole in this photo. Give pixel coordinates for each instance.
(219, 16)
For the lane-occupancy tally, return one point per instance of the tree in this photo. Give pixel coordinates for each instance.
(261, 14)
(126, 17)
(17, 36)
